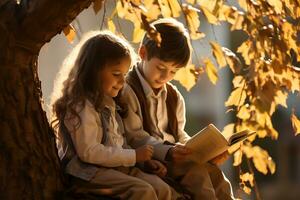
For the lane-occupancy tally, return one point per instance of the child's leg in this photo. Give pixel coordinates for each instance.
(163, 191)
(203, 181)
(221, 184)
(124, 186)
(195, 179)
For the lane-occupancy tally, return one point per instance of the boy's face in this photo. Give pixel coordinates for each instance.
(112, 77)
(158, 72)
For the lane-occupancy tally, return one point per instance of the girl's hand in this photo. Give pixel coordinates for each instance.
(144, 153)
(179, 153)
(220, 159)
(155, 167)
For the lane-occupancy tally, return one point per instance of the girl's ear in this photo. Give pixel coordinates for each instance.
(143, 52)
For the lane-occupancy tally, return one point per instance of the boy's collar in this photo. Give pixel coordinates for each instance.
(145, 85)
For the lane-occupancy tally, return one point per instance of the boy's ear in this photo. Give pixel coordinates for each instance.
(143, 53)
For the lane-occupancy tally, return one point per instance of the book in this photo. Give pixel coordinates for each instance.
(210, 142)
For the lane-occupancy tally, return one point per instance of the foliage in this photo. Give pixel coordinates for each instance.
(262, 78)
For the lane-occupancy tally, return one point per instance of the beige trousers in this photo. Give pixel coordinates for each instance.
(131, 184)
(204, 182)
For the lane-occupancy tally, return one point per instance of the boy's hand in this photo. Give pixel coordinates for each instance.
(155, 167)
(144, 153)
(179, 153)
(220, 159)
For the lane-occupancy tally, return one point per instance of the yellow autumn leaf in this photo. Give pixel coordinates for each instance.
(218, 54)
(151, 31)
(247, 177)
(232, 60)
(294, 9)
(175, 8)
(244, 49)
(271, 165)
(295, 123)
(136, 2)
(263, 119)
(153, 10)
(228, 130)
(221, 16)
(238, 81)
(70, 33)
(212, 19)
(260, 165)
(252, 137)
(165, 9)
(186, 77)
(239, 22)
(246, 189)
(209, 4)
(244, 113)
(261, 160)
(298, 56)
(111, 26)
(138, 33)
(289, 34)
(228, 13)
(121, 10)
(247, 150)
(281, 98)
(237, 97)
(277, 4)
(295, 81)
(211, 71)
(262, 133)
(192, 18)
(98, 5)
(243, 4)
(271, 131)
(190, 1)
(237, 158)
(126, 11)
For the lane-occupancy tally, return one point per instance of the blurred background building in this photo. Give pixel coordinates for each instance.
(204, 104)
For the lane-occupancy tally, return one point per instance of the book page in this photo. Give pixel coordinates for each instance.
(240, 136)
(207, 144)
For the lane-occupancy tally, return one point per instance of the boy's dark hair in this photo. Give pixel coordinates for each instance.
(175, 44)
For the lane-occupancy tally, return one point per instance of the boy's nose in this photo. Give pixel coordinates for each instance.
(165, 76)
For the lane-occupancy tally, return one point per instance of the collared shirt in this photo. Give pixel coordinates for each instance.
(87, 138)
(158, 111)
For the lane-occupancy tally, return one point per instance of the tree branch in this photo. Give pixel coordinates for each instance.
(41, 20)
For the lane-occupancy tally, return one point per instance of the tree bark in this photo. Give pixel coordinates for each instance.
(29, 165)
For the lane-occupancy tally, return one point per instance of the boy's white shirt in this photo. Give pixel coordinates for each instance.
(133, 123)
(87, 138)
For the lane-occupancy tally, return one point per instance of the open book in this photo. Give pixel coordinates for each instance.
(210, 142)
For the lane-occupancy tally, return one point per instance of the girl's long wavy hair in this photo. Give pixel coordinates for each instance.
(78, 79)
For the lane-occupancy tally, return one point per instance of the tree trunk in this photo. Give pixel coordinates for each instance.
(29, 165)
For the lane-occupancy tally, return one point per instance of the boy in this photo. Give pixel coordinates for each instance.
(156, 108)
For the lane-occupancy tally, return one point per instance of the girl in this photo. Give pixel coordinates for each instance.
(91, 140)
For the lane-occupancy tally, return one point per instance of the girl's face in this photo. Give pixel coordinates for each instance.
(112, 77)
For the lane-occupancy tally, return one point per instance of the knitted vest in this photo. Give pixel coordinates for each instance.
(134, 82)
